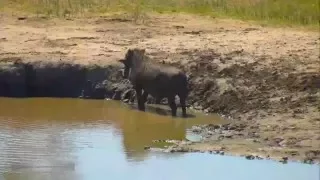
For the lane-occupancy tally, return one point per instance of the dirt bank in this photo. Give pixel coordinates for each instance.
(58, 79)
(266, 80)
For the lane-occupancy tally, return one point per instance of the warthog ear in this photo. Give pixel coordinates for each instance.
(142, 51)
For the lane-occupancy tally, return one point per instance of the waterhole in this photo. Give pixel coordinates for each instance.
(76, 139)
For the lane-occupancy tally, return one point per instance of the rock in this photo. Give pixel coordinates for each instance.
(159, 140)
(128, 95)
(258, 157)
(284, 160)
(212, 126)
(308, 161)
(228, 135)
(216, 152)
(221, 137)
(198, 107)
(231, 127)
(255, 141)
(117, 95)
(22, 18)
(196, 129)
(182, 149)
(146, 147)
(169, 150)
(293, 152)
(249, 157)
(210, 133)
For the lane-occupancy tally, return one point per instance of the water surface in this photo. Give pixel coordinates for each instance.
(75, 139)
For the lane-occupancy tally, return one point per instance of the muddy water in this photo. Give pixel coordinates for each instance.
(78, 139)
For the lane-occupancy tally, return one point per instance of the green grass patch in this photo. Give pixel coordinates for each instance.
(299, 12)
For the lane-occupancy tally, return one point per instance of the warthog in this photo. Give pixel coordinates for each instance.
(158, 80)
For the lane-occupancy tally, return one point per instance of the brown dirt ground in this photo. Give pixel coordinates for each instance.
(266, 79)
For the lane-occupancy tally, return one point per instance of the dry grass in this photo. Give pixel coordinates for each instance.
(301, 12)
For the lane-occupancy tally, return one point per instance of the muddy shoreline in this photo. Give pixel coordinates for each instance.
(57, 79)
(39, 79)
(265, 80)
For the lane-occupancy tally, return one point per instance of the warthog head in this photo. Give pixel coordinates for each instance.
(131, 56)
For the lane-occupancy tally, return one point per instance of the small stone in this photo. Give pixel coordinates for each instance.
(22, 18)
(228, 135)
(258, 157)
(196, 129)
(308, 161)
(146, 147)
(249, 157)
(198, 108)
(284, 160)
(220, 138)
(210, 133)
(213, 126)
(255, 141)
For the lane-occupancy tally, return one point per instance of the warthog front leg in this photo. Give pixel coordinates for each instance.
(144, 96)
(140, 99)
(158, 100)
(173, 105)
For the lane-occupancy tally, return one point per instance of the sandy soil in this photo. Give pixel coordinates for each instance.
(266, 80)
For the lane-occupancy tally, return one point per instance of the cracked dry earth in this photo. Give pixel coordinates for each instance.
(267, 80)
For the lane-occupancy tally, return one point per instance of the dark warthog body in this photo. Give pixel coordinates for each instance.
(158, 80)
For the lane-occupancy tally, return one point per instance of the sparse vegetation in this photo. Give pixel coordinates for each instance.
(302, 12)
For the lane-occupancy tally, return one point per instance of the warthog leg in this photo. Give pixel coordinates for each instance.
(144, 96)
(173, 105)
(140, 99)
(158, 100)
(183, 106)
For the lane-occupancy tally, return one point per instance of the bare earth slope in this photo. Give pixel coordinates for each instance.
(267, 80)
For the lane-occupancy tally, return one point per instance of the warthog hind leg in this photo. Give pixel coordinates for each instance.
(173, 105)
(183, 106)
(140, 99)
(158, 100)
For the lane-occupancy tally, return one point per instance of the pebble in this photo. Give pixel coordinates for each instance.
(196, 129)
(210, 133)
(258, 157)
(284, 160)
(308, 161)
(255, 141)
(249, 157)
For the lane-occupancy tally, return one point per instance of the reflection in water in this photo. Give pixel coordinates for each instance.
(92, 139)
(51, 127)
